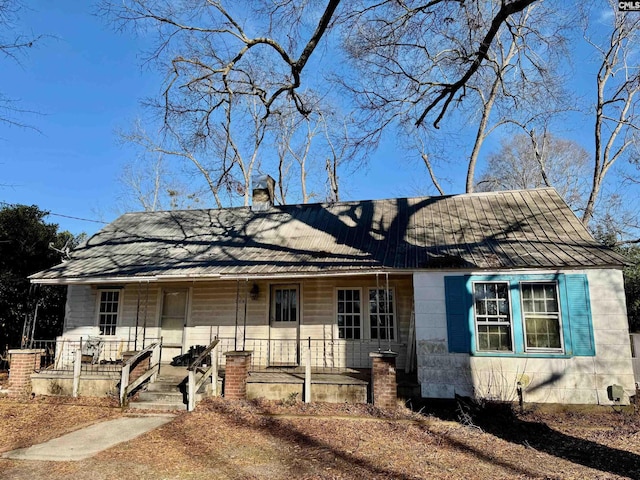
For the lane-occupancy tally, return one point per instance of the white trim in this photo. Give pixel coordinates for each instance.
(524, 319)
(281, 277)
(363, 315)
(284, 275)
(119, 311)
(187, 311)
(475, 317)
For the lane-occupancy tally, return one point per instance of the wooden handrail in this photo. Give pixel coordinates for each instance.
(196, 363)
(140, 353)
(125, 387)
(194, 368)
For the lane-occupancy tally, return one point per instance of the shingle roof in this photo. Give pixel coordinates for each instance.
(514, 229)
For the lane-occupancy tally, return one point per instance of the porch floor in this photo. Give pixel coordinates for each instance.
(286, 375)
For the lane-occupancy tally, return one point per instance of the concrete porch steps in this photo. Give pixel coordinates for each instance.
(168, 392)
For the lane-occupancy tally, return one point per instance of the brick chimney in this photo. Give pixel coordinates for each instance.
(263, 193)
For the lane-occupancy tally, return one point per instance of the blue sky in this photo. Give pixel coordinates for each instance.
(86, 82)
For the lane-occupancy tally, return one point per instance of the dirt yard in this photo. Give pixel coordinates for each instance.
(267, 440)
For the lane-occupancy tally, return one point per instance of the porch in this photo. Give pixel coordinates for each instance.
(276, 372)
(104, 356)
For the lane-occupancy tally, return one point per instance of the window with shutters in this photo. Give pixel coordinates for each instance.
(528, 315)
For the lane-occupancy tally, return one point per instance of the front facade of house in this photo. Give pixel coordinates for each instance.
(502, 295)
(341, 316)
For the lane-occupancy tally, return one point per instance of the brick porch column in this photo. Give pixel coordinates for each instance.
(383, 378)
(140, 366)
(237, 368)
(23, 364)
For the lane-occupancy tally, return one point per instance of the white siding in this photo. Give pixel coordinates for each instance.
(562, 380)
(80, 312)
(217, 308)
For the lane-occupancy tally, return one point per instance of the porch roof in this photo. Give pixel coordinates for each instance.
(498, 230)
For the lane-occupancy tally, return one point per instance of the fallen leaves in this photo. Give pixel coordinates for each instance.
(271, 440)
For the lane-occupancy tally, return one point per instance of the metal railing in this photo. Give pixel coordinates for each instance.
(208, 357)
(327, 355)
(98, 355)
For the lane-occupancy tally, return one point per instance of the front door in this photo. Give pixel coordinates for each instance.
(285, 326)
(173, 321)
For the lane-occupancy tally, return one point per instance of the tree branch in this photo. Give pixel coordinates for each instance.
(450, 90)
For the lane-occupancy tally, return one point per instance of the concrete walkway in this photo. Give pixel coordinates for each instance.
(86, 442)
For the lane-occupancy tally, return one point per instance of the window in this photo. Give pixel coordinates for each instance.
(520, 315)
(349, 315)
(541, 312)
(381, 314)
(492, 316)
(108, 311)
(285, 304)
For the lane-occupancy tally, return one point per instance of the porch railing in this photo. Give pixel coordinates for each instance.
(153, 353)
(98, 355)
(208, 357)
(326, 355)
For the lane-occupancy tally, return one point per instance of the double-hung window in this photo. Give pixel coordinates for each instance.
(541, 314)
(492, 316)
(349, 313)
(532, 315)
(382, 314)
(371, 318)
(108, 311)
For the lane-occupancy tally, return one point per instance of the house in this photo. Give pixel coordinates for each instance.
(495, 294)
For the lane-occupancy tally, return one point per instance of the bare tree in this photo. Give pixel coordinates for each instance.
(294, 139)
(144, 185)
(340, 151)
(13, 45)
(536, 161)
(221, 55)
(318, 146)
(403, 55)
(149, 182)
(617, 85)
(230, 47)
(520, 80)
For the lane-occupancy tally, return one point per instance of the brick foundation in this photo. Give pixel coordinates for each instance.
(236, 373)
(140, 366)
(23, 364)
(383, 379)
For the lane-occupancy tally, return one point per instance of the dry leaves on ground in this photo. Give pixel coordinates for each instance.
(38, 420)
(279, 440)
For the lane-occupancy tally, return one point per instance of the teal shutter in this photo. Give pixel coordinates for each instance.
(458, 304)
(579, 315)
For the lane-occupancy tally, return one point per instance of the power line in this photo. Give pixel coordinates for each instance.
(13, 205)
(78, 218)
